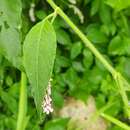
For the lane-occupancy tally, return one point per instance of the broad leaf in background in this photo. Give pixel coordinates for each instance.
(88, 58)
(119, 46)
(95, 5)
(95, 34)
(62, 37)
(10, 23)
(76, 50)
(57, 124)
(123, 66)
(118, 4)
(105, 14)
(39, 54)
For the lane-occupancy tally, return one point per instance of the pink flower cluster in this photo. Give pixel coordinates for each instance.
(47, 101)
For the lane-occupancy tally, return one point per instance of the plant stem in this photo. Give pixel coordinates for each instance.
(22, 103)
(50, 16)
(92, 48)
(95, 116)
(82, 36)
(115, 121)
(120, 85)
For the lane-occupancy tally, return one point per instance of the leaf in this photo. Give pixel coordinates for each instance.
(95, 7)
(114, 109)
(100, 100)
(118, 4)
(39, 54)
(40, 14)
(112, 29)
(59, 23)
(123, 67)
(88, 58)
(71, 78)
(82, 90)
(62, 61)
(119, 46)
(10, 23)
(95, 35)
(105, 14)
(108, 86)
(57, 124)
(76, 50)
(78, 66)
(7, 99)
(58, 99)
(62, 37)
(96, 75)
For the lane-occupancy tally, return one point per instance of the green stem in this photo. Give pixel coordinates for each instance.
(90, 46)
(94, 117)
(50, 16)
(82, 36)
(120, 84)
(115, 121)
(22, 103)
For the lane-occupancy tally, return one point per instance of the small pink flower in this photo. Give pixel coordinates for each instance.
(47, 101)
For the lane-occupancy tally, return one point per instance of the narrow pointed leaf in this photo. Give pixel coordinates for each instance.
(39, 54)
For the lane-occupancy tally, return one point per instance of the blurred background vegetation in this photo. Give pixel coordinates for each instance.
(77, 74)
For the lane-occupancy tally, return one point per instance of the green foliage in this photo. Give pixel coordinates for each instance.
(75, 50)
(118, 4)
(10, 25)
(119, 46)
(77, 73)
(95, 7)
(62, 37)
(95, 35)
(56, 124)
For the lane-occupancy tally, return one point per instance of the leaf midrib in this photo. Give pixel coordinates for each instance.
(37, 61)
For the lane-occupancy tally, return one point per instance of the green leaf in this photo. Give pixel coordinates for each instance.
(76, 50)
(95, 7)
(86, 2)
(58, 99)
(39, 54)
(114, 109)
(118, 4)
(108, 86)
(57, 124)
(62, 61)
(105, 14)
(71, 78)
(62, 37)
(96, 75)
(123, 66)
(78, 66)
(88, 58)
(59, 23)
(100, 100)
(10, 23)
(112, 28)
(95, 35)
(119, 46)
(82, 90)
(7, 99)
(40, 14)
